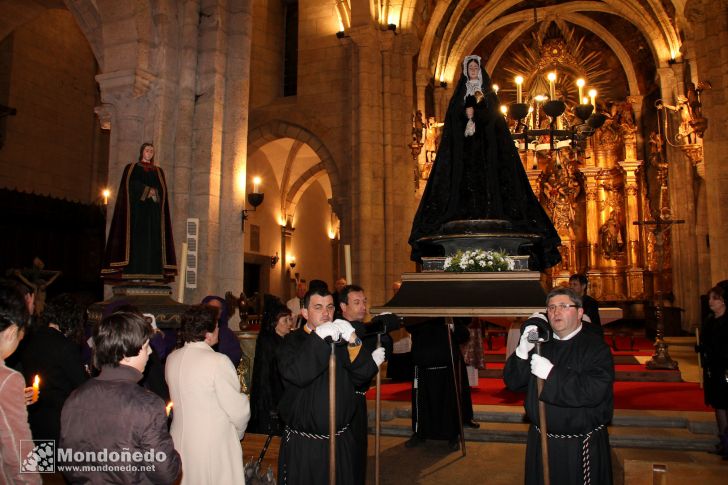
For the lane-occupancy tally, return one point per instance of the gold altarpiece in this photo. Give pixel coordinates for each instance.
(594, 197)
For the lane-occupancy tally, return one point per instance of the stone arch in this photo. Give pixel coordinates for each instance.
(576, 19)
(276, 129)
(662, 41)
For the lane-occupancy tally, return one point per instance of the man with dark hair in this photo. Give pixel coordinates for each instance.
(353, 306)
(14, 318)
(303, 361)
(53, 352)
(577, 371)
(112, 414)
(579, 283)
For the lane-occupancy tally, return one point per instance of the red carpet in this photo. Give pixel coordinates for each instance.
(663, 396)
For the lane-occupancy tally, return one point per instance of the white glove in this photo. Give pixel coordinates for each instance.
(540, 366)
(524, 346)
(345, 328)
(378, 356)
(329, 329)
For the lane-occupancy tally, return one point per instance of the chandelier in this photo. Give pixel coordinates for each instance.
(528, 131)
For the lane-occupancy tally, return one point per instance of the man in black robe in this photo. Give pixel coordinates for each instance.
(303, 362)
(140, 244)
(580, 283)
(578, 373)
(434, 399)
(353, 307)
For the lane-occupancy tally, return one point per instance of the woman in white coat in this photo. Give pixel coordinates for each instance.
(210, 412)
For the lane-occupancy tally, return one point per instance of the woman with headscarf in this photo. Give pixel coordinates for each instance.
(228, 341)
(267, 386)
(478, 174)
(713, 350)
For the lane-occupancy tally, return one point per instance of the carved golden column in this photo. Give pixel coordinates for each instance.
(635, 279)
(591, 188)
(534, 178)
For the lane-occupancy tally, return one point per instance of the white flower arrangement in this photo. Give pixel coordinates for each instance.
(478, 260)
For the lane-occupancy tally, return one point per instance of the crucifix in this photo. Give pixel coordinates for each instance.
(661, 358)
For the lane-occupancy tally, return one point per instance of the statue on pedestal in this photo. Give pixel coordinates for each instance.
(140, 245)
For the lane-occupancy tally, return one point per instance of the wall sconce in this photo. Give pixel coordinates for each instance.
(292, 261)
(255, 198)
(274, 260)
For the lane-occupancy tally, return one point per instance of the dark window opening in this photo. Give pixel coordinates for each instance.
(290, 48)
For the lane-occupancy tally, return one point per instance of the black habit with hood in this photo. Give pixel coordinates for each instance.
(481, 177)
(579, 406)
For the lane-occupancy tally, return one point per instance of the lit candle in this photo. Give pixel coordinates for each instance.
(504, 109)
(256, 184)
(580, 85)
(168, 409)
(584, 100)
(593, 96)
(106, 193)
(36, 387)
(552, 88)
(495, 88)
(519, 93)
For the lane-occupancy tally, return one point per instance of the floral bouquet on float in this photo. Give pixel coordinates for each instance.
(478, 260)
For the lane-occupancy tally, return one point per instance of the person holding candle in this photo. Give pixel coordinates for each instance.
(53, 353)
(478, 174)
(140, 244)
(14, 318)
(112, 412)
(210, 411)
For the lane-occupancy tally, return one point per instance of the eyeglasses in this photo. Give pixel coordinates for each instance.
(561, 306)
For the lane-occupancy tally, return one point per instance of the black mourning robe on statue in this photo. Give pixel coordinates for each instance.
(481, 177)
(579, 405)
(434, 402)
(140, 244)
(303, 361)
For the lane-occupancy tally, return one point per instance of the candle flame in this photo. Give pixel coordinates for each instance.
(551, 76)
(519, 79)
(36, 381)
(580, 82)
(168, 409)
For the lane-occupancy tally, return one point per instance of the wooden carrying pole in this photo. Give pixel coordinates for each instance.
(542, 425)
(332, 415)
(377, 418)
(456, 382)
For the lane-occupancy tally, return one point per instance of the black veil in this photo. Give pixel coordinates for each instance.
(480, 177)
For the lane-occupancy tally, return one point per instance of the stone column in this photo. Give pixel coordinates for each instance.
(368, 178)
(286, 241)
(682, 204)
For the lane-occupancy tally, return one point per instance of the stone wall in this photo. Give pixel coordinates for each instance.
(53, 144)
